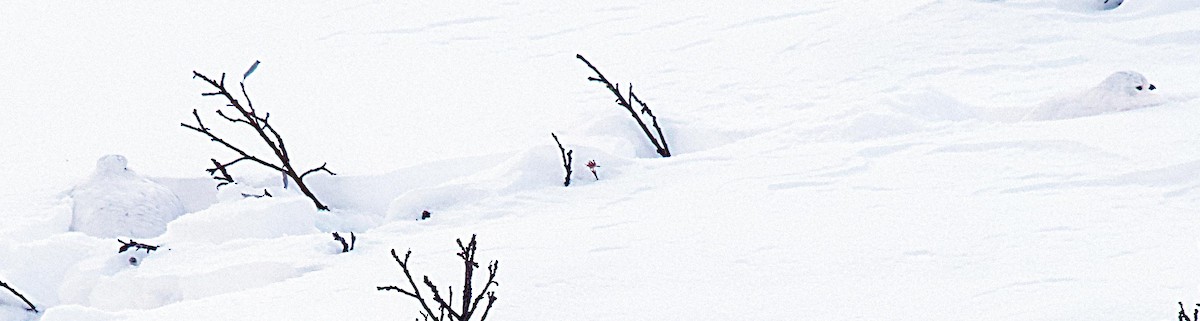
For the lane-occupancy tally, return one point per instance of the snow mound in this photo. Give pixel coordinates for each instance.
(78, 312)
(117, 202)
(1123, 90)
(533, 169)
(250, 218)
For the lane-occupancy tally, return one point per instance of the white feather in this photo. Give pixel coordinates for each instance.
(117, 202)
(1123, 90)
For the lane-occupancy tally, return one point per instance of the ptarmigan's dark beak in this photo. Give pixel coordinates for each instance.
(1151, 86)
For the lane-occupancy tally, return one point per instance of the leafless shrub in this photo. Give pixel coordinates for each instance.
(444, 305)
(247, 115)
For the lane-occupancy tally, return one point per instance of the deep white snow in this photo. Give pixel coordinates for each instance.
(833, 160)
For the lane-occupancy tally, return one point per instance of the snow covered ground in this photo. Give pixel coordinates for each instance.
(833, 160)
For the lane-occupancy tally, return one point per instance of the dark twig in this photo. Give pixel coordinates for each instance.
(225, 178)
(1183, 313)
(653, 121)
(566, 158)
(322, 168)
(416, 292)
(621, 100)
(135, 246)
(19, 295)
(469, 303)
(248, 115)
(346, 247)
(264, 194)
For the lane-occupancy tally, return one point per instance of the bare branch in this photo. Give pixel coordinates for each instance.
(321, 168)
(225, 178)
(250, 104)
(621, 100)
(1183, 313)
(233, 120)
(136, 246)
(416, 293)
(470, 304)
(437, 297)
(492, 268)
(214, 138)
(394, 288)
(264, 194)
(346, 247)
(265, 131)
(653, 121)
(19, 295)
(566, 158)
(491, 300)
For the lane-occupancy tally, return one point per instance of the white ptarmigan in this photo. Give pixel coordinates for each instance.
(1123, 90)
(117, 202)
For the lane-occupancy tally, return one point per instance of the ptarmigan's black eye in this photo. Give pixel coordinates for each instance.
(1138, 87)
(1152, 87)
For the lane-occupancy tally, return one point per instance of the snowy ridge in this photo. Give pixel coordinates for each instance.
(833, 160)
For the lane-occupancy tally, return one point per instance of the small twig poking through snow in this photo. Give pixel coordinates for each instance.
(346, 247)
(566, 158)
(592, 166)
(246, 114)
(19, 295)
(662, 148)
(470, 307)
(425, 215)
(224, 178)
(1183, 313)
(264, 194)
(135, 246)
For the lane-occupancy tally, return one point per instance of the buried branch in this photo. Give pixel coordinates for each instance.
(566, 158)
(125, 246)
(19, 295)
(346, 247)
(247, 115)
(662, 148)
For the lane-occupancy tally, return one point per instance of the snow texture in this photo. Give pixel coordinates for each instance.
(117, 202)
(832, 160)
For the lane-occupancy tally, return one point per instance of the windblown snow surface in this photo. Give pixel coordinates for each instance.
(834, 160)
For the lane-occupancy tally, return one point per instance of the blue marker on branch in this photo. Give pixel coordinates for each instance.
(251, 70)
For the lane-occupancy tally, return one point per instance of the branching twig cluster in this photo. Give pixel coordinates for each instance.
(125, 246)
(246, 114)
(662, 148)
(224, 178)
(346, 247)
(444, 305)
(19, 295)
(566, 158)
(1183, 313)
